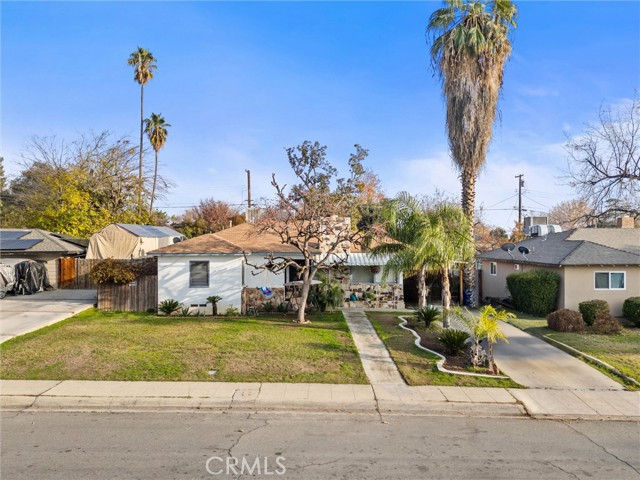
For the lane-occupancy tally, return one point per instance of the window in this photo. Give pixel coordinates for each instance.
(494, 268)
(610, 280)
(198, 274)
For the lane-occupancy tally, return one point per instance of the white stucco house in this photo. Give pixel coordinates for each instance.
(215, 264)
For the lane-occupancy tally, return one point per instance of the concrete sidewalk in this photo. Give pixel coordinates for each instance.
(26, 313)
(77, 395)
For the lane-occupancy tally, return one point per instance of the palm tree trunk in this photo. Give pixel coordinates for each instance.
(468, 178)
(446, 297)
(141, 138)
(422, 287)
(153, 190)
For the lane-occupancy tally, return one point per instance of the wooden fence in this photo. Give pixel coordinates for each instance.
(73, 273)
(138, 296)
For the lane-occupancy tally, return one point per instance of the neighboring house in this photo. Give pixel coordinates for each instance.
(214, 264)
(126, 241)
(601, 263)
(39, 245)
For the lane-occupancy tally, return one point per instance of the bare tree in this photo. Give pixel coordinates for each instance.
(312, 215)
(209, 216)
(570, 214)
(604, 162)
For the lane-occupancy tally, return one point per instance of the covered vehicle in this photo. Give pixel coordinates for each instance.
(7, 279)
(31, 277)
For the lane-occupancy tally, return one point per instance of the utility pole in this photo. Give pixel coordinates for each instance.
(520, 185)
(248, 188)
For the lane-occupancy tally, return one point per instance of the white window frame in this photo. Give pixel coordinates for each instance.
(493, 269)
(208, 274)
(609, 272)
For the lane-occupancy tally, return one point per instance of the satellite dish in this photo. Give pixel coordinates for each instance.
(177, 239)
(524, 251)
(507, 247)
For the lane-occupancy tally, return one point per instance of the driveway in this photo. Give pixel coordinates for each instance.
(534, 363)
(22, 314)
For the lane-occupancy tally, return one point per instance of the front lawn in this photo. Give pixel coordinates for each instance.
(96, 345)
(418, 367)
(621, 351)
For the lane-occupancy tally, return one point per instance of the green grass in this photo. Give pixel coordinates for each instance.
(417, 366)
(97, 345)
(621, 351)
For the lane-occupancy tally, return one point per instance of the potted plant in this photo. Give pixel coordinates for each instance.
(213, 300)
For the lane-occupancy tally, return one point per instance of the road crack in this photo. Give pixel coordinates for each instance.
(602, 448)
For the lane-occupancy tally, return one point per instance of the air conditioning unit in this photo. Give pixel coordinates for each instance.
(555, 228)
(539, 230)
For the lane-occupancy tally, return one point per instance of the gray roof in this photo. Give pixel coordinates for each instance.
(579, 247)
(150, 231)
(35, 240)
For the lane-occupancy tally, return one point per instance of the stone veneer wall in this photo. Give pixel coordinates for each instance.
(253, 297)
(389, 296)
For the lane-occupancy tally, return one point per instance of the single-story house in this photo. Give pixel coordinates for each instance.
(127, 241)
(39, 245)
(602, 263)
(215, 264)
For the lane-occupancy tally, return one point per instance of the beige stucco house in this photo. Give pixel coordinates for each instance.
(601, 263)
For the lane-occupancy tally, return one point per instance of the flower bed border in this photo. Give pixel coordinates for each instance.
(440, 363)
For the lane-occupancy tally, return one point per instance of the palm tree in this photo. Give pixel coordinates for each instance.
(447, 240)
(469, 48)
(422, 240)
(143, 65)
(156, 129)
(404, 224)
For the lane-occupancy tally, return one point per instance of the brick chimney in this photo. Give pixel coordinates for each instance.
(625, 222)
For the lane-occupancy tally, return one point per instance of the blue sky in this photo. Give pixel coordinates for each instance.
(241, 81)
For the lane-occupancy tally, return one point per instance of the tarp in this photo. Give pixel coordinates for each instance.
(116, 241)
(7, 279)
(31, 277)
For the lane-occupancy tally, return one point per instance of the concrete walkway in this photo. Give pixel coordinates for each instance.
(22, 314)
(534, 363)
(75, 395)
(377, 362)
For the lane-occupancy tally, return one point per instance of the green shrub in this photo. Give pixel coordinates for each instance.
(590, 308)
(268, 307)
(185, 311)
(282, 308)
(534, 292)
(453, 341)
(117, 272)
(232, 312)
(606, 324)
(566, 320)
(327, 294)
(169, 306)
(427, 315)
(631, 310)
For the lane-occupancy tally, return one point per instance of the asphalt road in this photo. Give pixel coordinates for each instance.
(312, 446)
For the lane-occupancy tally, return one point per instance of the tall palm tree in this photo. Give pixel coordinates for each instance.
(143, 63)
(469, 48)
(156, 129)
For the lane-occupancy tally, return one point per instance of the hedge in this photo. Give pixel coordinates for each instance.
(631, 310)
(534, 292)
(590, 308)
